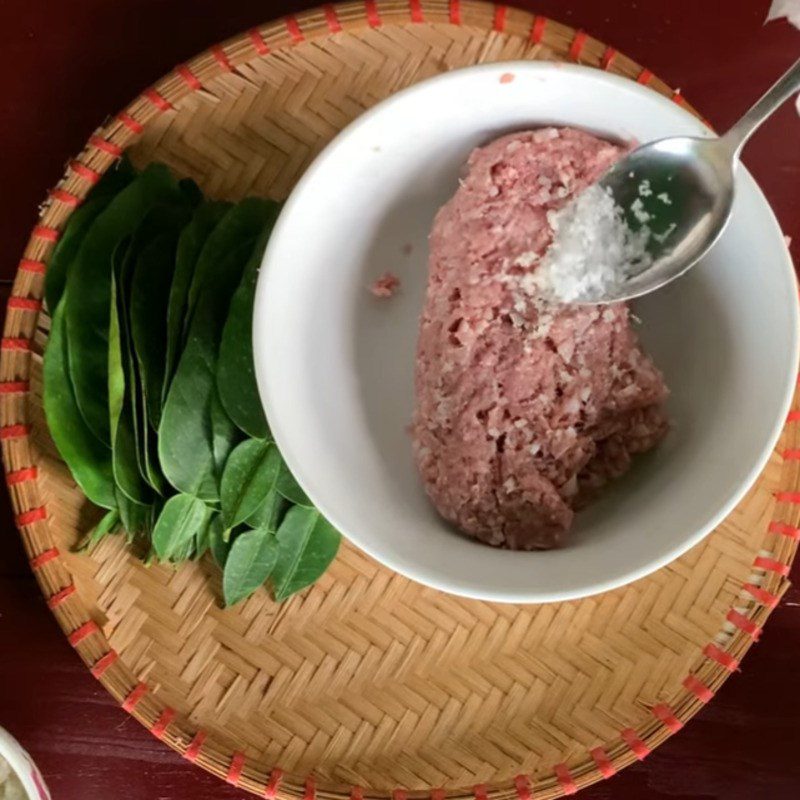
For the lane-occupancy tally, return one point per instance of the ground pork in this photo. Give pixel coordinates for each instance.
(523, 409)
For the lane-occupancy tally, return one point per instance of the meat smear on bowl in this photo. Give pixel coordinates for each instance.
(524, 408)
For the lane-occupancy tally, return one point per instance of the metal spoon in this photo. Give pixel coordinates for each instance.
(685, 186)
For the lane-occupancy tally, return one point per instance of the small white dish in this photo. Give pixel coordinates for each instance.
(22, 765)
(335, 365)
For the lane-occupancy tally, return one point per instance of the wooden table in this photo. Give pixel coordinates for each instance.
(68, 64)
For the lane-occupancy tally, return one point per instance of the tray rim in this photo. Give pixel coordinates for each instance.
(103, 148)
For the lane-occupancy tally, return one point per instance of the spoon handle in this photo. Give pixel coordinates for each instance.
(784, 87)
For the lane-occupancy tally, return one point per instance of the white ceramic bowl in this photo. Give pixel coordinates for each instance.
(22, 764)
(335, 366)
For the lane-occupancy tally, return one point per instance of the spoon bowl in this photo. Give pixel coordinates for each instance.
(682, 190)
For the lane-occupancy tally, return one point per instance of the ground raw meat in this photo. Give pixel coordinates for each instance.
(385, 286)
(523, 409)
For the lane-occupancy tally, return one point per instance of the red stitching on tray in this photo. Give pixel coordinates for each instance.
(44, 557)
(261, 47)
(645, 76)
(770, 564)
(334, 26)
(640, 749)
(677, 97)
(87, 173)
(65, 197)
(602, 761)
(221, 57)
(480, 791)
(523, 787)
(188, 77)
(103, 663)
(782, 529)
(29, 265)
(788, 497)
(455, 12)
(14, 387)
(371, 10)
(311, 789)
(762, 595)
(14, 431)
(399, 794)
(499, 22)
(157, 99)
(438, 794)
(15, 344)
(48, 234)
(106, 146)
(130, 123)
(235, 769)
(159, 727)
(565, 779)
(537, 29)
(721, 657)
(275, 778)
(136, 694)
(356, 793)
(793, 416)
(293, 26)
(609, 54)
(82, 632)
(578, 42)
(791, 455)
(24, 303)
(58, 598)
(415, 7)
(193, 750)
(698, 688)
(744, 624)
(664, 713)
(21, 476)
(31, 516)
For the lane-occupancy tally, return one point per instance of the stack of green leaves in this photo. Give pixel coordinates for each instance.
(149, 383)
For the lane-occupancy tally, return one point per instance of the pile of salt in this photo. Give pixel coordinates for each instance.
(593, 251)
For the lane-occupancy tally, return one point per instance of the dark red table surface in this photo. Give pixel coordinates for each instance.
(65, 65)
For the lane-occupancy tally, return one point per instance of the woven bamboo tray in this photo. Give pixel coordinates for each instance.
(368, 684)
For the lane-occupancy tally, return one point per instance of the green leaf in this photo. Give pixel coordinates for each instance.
(290, 489)
(269, 512)
(236, 377)
(132, 403)
(180, 521)
(307, 544)
(88, 459)
(217, 542)
(106, 525)
(121, 420)
(224, 435)
(249, 477)
(191, 191)
(239, 227)
(144, 278)
(250, 561)
(89, 283)
(135, 517)
(190, 244)
(149, 298)
(80, 221)
(202, 540)
(194, 436)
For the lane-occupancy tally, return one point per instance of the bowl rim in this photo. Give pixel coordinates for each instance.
(266, 385)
